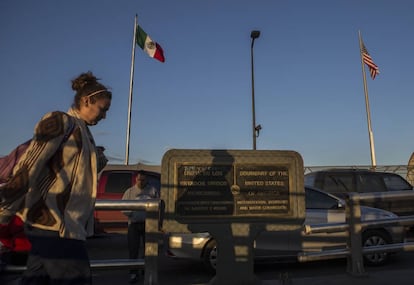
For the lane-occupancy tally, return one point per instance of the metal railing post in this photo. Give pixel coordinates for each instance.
(355, 263)
(152, 239)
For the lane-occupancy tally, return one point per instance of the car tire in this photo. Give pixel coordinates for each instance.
(374, 238)
(210, 255)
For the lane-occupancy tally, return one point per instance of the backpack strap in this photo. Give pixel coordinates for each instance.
(70, 129)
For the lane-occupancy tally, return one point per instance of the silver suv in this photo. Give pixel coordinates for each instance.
(342, 181)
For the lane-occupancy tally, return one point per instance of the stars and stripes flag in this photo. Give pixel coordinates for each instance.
(367, 59)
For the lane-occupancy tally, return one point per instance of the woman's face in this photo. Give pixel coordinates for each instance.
(92, 113)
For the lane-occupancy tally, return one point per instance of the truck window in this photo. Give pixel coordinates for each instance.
(118, 182)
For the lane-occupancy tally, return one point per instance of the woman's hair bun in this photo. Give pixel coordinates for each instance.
(84, 80)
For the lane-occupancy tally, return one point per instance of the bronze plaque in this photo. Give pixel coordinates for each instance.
(238, 190)
(221, 186)
(261, 189)
(204, 190)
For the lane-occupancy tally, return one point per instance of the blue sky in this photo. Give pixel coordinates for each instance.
(308, 81)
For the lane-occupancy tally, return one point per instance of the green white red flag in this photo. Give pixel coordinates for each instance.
(152, 48)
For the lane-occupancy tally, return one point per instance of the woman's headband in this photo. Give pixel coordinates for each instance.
(96, 92)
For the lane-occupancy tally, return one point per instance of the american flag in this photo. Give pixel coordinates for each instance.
(373, 68)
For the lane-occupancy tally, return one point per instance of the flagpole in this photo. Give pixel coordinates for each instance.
(370, 133)
(131, 84)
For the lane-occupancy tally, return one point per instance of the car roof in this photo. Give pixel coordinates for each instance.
(136, 167)
(354, 170)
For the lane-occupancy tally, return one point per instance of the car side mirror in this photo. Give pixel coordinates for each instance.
(340, 205)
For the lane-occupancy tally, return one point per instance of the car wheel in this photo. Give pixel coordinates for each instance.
(210, 255)
(375, 238)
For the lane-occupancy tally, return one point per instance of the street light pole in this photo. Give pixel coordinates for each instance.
(254, 35)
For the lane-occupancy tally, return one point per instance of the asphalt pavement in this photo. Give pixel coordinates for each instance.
(400, 277)
(377, 277)
(181, 272)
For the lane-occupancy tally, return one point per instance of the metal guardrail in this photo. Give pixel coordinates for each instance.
(152, 240)
(353, 225)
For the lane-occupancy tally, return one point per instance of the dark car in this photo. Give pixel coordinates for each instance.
(342, 181)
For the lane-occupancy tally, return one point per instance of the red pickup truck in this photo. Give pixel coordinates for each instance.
(114, 179)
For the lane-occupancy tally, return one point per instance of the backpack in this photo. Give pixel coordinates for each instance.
(8, 162)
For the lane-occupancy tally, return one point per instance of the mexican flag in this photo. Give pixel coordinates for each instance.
(148, 45)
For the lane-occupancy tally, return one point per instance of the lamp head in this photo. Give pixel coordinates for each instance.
(255, 34)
